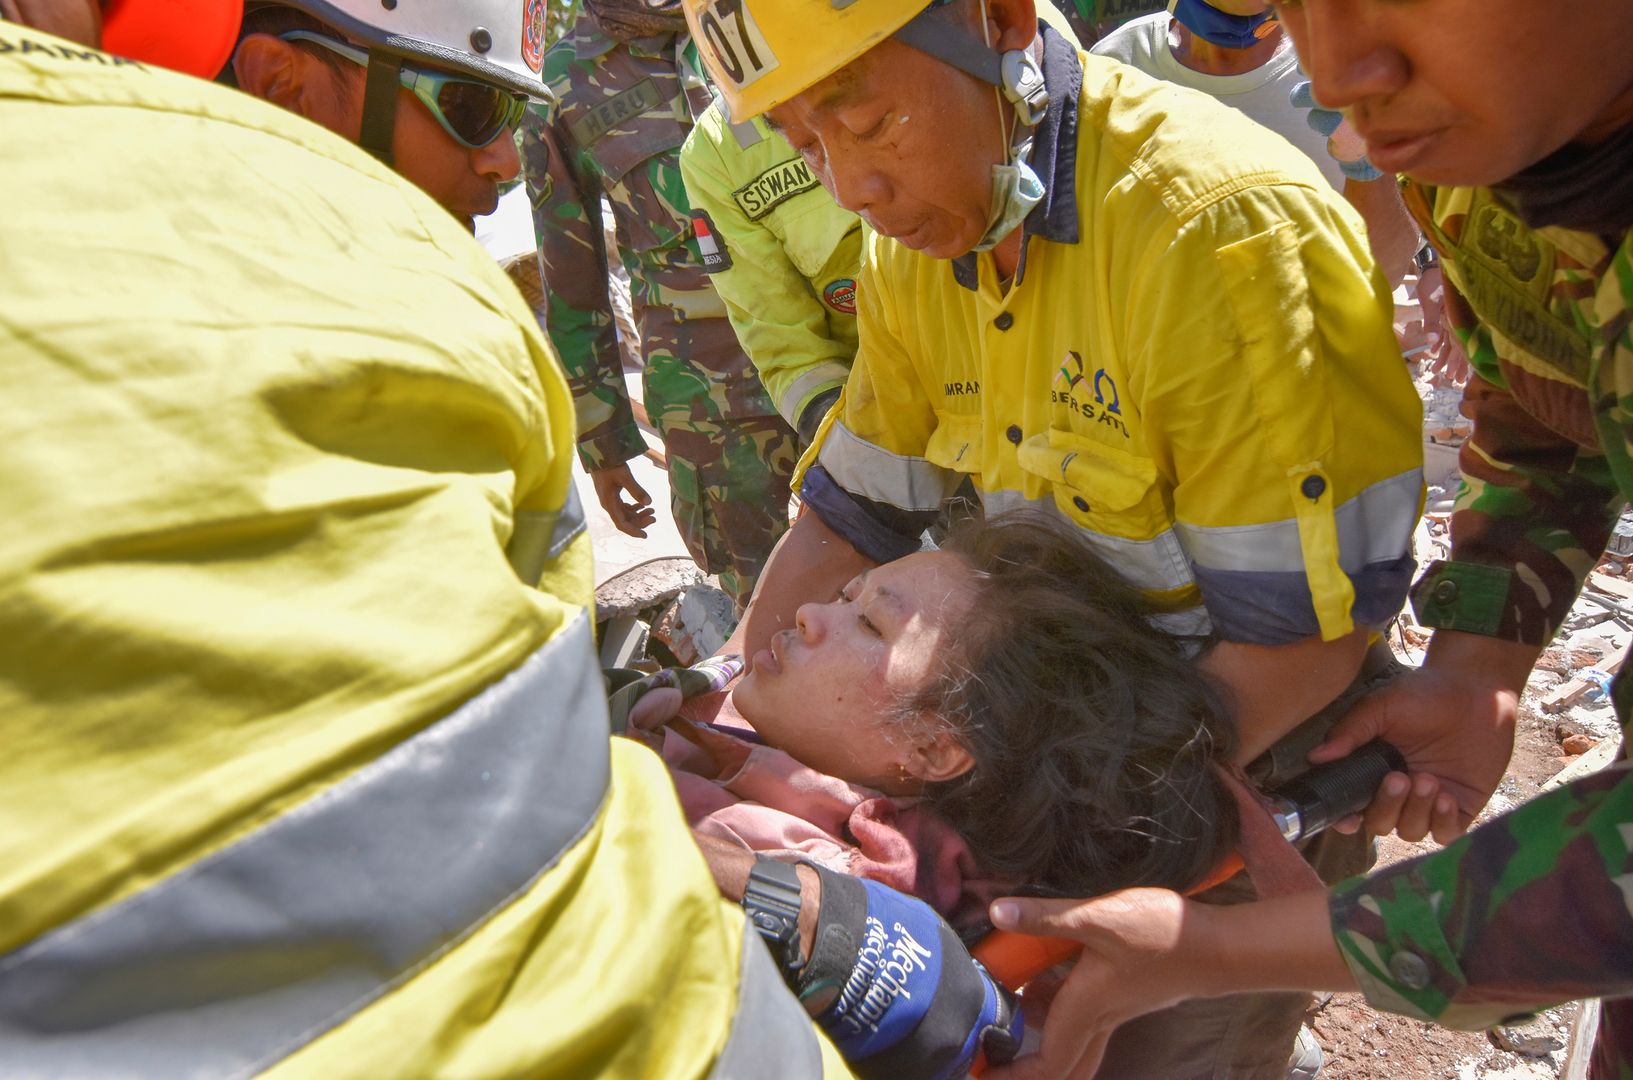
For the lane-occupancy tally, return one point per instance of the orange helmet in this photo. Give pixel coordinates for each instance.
(194, 36)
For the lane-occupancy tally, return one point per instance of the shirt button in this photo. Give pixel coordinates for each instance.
(1014, 434)
(1410, 970)
(1081, 503)
(1004, 321)
(1313, 487)
(1445, 591)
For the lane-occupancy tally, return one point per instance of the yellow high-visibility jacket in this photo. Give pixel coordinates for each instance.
(1194, 365)
(790, 286)
(304, 764)
(794, 255)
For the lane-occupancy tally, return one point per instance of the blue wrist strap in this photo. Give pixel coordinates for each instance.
(911, 1002)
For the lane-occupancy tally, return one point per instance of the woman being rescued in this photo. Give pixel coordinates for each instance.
(996, 716)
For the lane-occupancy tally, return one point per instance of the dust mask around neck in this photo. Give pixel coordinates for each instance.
(1016, 188)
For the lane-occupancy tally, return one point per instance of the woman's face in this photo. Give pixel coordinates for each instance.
(826, 690)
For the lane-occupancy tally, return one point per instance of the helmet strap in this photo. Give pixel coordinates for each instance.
(1014, 73)
(380, 105)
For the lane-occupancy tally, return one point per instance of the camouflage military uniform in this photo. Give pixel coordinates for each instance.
(1536, 907)
(625, 111)
(1094, 19)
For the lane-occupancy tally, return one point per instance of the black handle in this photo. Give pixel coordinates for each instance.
(1337, 789)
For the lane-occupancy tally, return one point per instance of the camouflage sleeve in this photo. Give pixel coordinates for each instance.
(567, 217)
(1458, 936)
(1533, 516)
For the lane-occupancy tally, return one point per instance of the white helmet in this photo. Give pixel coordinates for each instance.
(497, 41)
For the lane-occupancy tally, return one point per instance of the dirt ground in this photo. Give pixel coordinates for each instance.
(1362, 1044)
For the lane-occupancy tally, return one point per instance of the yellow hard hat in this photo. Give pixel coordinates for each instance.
(760, 53)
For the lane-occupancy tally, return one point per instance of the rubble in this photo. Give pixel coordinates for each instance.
(1577, 744)
(1539, 1037)
(697, 624)
(646, 585)
(1571, 680)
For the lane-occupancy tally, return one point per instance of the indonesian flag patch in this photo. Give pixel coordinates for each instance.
(710, 244)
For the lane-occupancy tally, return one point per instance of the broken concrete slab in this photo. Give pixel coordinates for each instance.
(645, 585)
(697, 624)
(623, 641)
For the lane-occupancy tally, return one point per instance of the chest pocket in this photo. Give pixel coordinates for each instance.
(1099, 487)
(1509, 274)
(811, 238)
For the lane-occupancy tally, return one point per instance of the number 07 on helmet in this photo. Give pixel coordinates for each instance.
(760, 53)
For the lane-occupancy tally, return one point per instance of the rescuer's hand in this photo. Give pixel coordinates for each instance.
(1146, 949)
(1453, 721)
(633, 517)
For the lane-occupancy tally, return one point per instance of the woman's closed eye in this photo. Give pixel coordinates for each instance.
(848, 595)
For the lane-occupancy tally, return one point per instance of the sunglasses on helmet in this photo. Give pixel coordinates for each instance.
(474, 113)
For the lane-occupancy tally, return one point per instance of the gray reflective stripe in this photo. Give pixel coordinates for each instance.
(900, 480)
(1158, 564)
(541, 536)
(1373, 527)
(232, 964)
(825, 376)
(771, 1035)
(569, 523)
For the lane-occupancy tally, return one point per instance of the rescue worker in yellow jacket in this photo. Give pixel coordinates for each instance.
(790, 282)
(306, 764)
(1094, 293)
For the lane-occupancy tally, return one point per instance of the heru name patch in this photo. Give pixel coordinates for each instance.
(772, 188)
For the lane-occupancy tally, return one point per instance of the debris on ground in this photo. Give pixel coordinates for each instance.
(1566, 727)
(660, 613)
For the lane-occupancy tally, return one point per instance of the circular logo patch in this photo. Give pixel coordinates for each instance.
(840, 295)
(533, 34)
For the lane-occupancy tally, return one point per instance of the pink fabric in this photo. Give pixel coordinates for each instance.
(1273, 864)
(776, 806)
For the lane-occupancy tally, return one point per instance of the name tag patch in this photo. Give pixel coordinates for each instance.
(772, 188)
(596, 122)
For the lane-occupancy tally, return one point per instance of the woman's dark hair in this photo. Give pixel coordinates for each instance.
(1094, 734)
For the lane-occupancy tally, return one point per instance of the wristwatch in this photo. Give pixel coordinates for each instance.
(1426, 257)
(772, 901)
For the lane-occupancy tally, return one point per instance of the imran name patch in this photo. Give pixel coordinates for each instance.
(772, 188)
(710, 244)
